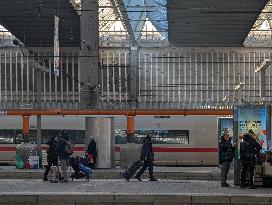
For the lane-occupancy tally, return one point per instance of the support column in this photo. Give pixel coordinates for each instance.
(102, 131)
(39, 117)
(133, 74)
(89, 54)
(25, 129)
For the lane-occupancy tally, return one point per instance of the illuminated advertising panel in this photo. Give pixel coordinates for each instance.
(253, 119)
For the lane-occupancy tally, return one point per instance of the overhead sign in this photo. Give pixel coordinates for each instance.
(56, 48)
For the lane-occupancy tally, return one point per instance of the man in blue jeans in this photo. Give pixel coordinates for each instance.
(147, 156)
(63, 155)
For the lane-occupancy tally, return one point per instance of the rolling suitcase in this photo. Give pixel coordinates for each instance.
(132, 169)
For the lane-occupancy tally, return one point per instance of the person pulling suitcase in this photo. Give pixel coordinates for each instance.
(147, 156)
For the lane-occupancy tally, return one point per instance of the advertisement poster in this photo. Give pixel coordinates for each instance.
(253, 120)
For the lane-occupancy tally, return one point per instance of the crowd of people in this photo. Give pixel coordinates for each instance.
(59, 152)
(249, 150)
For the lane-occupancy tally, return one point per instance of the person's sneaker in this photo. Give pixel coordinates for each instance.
(224, 185)
(253, 187)
(242, 186)
(153, 180)
(139, 179)
(45, 180)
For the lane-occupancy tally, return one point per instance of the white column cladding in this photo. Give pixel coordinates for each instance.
(101, 129)
(73, 76)
(126, 77)
(113, 75)
(50, 79)
(27, 77)
(67, 77)
(16, 77)
(33, 79)
(1, 77)
(22, 77)
(5, 77)
(108, 79)
(10, 76)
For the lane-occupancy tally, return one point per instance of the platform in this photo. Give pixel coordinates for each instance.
(120, 192)
(179, 173)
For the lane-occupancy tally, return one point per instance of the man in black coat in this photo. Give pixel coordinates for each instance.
(147, 156)
(249, 148)
(226, 155)
(52, 156)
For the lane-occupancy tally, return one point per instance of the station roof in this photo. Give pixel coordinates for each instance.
(211, 22)
(124, 22)
(32, 21)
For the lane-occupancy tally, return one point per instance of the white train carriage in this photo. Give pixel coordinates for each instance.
(177, 140)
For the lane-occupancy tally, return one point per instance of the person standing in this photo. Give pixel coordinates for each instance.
(249, 148)
(147, 156)
(63, 154)
(92, 150)
(226, 155)
(52, 157)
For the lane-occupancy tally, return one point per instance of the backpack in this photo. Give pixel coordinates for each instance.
(69, 147)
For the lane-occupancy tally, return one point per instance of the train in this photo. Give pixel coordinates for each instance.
(177, 140)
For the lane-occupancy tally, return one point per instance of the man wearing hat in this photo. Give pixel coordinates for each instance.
(147, 156)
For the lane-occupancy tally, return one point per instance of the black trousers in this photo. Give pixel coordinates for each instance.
(224, 171)
(149, 164)
(51, 162)
(247, 166)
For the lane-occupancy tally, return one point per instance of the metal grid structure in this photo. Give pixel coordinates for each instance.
(185, 78)
(166, 78)
(18, 86)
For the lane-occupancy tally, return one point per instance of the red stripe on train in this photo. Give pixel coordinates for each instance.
(178, 149)
(155, 149)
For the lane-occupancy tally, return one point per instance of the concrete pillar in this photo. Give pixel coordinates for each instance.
(89, 53)
(101, 129)
(133, 72)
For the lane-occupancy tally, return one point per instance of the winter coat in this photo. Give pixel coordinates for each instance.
(92, 150)
(226, 151)
(61, 149)
(147, 150)
(52, 156)
(249, 148)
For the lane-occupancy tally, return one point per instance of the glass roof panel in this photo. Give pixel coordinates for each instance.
(260, 34)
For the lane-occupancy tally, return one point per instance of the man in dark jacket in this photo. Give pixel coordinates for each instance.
(226, 155)
(147, 156)
(52, 157)
(249, 148)
(63, 155)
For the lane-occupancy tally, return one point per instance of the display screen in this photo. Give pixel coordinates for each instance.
(254, 119)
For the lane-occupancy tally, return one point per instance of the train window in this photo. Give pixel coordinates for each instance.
(158, 136)
(11, 136)
(77, 136)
